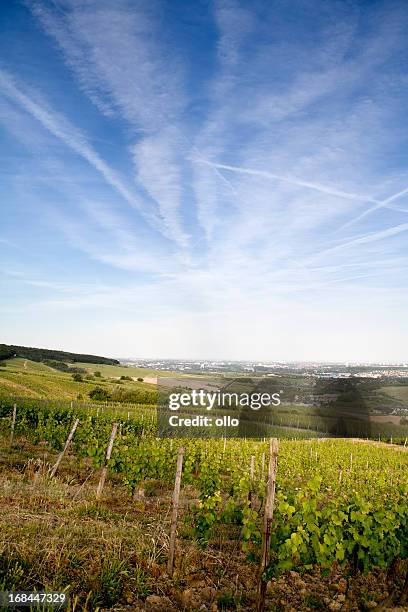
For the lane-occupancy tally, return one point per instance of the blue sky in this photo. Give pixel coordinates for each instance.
(205, 179)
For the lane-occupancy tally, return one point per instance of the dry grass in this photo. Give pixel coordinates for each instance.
(54, 536)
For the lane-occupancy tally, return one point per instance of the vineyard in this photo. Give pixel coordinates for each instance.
(339, 503)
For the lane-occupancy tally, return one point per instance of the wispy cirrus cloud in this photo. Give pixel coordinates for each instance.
(58, 125)
(143, 86)
(244, 161)
(159, 162)
(305, 121)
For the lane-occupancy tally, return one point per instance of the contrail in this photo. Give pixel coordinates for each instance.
(291, 181)
(373, 237)
(395, 196)
(381, 204)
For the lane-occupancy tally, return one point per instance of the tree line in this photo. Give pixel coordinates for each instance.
(8, 351)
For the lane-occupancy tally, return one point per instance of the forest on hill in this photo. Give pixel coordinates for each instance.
(7, 351)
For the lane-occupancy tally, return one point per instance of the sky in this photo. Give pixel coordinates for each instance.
(215, 179)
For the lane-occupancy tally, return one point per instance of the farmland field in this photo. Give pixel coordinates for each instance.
(399, 392)
(120, 370)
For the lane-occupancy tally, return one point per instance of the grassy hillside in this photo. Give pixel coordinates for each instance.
(24, 378)
(25, 365)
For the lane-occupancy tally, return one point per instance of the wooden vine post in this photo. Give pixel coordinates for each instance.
(64, 450)
(13, 424)
(268, 517)
(251, 478)
(107, 457)
(176, 496)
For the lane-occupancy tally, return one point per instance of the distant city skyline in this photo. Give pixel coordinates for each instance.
(207, 180)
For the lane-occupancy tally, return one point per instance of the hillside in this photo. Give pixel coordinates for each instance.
(7, 351)
(25, 378)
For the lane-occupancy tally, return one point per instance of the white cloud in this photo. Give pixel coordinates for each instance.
(58, 125)
(158, 159)
(142, 85)
(252, 177)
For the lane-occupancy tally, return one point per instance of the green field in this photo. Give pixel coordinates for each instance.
(398, 392)
(121, 370)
